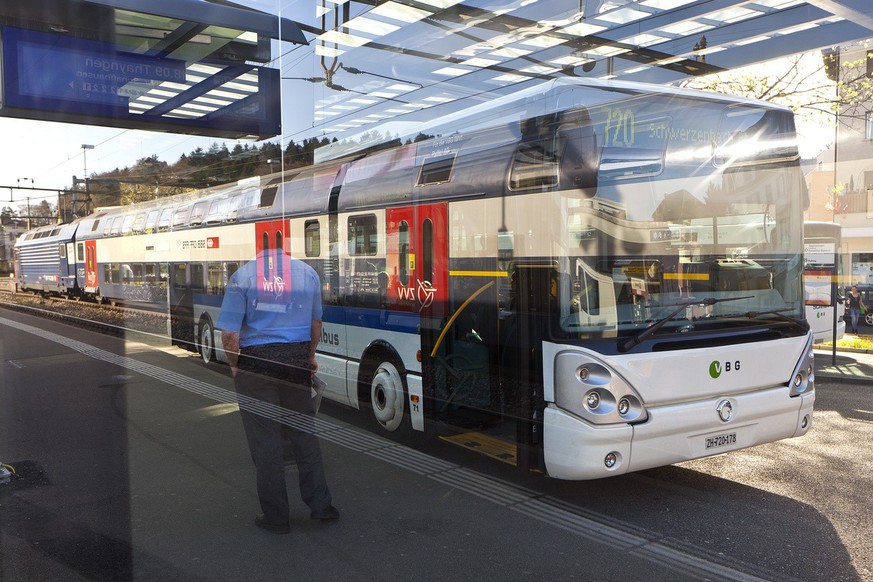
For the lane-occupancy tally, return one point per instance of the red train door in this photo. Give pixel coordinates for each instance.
(418, 259)
(273, 254)
(91, 279)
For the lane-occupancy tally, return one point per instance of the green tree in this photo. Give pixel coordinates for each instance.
(815, 85)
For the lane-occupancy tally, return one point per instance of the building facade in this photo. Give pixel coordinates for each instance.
(841, 180)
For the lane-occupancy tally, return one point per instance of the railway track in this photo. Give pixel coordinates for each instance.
(114, 320)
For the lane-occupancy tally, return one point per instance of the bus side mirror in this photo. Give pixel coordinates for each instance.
(579, 161)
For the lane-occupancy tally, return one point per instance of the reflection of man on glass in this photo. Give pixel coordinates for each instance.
(271, 324)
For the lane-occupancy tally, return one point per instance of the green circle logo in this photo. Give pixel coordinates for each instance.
(715, 369)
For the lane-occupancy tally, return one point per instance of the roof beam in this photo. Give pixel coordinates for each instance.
(214, 14)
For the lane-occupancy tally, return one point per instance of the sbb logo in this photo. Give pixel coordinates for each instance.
(212, 242)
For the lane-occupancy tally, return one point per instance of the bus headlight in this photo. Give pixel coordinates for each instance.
(803, 378)
(592, 400)
(623, 406)
(589, 389)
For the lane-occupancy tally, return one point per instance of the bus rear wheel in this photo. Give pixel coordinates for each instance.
(388, 397)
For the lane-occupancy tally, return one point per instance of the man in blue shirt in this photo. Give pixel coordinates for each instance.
(270, 324)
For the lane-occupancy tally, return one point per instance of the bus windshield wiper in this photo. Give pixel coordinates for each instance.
(777, 312)
(651, 330)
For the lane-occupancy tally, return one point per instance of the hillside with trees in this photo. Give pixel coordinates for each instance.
(150, 178)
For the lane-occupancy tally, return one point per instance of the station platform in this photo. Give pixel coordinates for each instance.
(844, 364)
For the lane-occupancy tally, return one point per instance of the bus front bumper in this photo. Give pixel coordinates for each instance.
(576, 449)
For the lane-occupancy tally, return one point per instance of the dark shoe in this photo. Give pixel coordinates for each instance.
(272, 527)
(330, 513)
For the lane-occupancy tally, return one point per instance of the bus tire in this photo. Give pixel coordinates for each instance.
(206, 341)
(388, 397)
(868, 318)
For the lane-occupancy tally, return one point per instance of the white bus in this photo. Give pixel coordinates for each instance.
(823, 279)
(599, 277)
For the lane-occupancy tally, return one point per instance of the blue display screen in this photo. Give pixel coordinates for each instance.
(63, 78)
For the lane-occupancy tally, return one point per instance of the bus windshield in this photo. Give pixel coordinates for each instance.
(694, 225)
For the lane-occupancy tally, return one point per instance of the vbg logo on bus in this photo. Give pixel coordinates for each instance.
(716, 368)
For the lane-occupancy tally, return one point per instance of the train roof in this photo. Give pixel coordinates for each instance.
(535, 100)
(480, 141)
(53, 233)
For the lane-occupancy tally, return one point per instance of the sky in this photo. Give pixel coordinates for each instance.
(47, 155)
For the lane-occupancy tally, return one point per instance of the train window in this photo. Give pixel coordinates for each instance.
(115, 273)
(362, 235)
(217, 211)
(197, 214)
(535, 166)
(231, 269)
(126, 274)
(427, 270)
(80, 252)
(136, 271)
(164, 275)
(127, 224)
(180, 216)
(197, 279)
(215, 279)
(150, 278)
(138, 223)
(95, 225)
(115, 230)
(164, 220)
(151, 222)
(62, 251)
(265, 255)
(312, 236)
(403, 244)
(249, 199)
(268, 194)
(436, 170)
(180, 278)
(233, 204)
(280, 264)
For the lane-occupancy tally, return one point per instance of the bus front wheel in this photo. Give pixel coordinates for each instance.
(206, 344)
(387, 397)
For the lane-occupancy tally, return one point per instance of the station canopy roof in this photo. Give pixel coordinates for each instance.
(397, 59)
(383, 61)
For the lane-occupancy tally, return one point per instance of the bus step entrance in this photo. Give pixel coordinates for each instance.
(495, 448)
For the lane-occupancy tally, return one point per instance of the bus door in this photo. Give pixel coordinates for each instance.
(181, 301)
(417, 265)
(534, 295)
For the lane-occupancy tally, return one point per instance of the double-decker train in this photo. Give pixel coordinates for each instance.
(604, 276)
